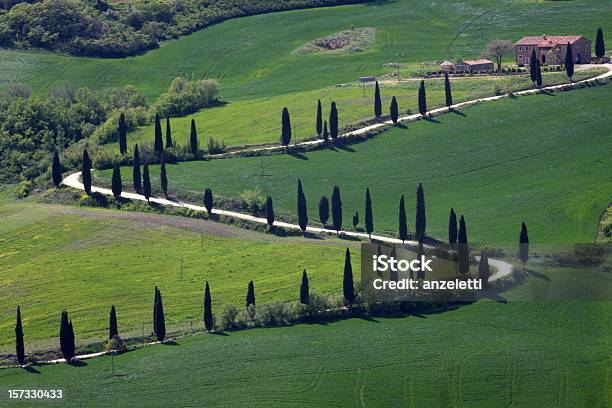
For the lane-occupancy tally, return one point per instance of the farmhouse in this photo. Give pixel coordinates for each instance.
(481, 65)
(551, 49)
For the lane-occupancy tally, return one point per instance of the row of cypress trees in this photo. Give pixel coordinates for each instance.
(321, 125)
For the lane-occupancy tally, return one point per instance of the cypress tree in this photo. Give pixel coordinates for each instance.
(136, 176)
(285, 138)
(336, 209)
(463, 255)
(193, 140)
(19, 344)
(422, 99)
(304, 289)
(56, 170)
(66, 337)
(377, 102)
(159, 322)
(538, 74)
(355, 219)
(156, 296)
(533, 61)
(420, 220)
(420, 253)
(347, 281)
(122, 130)
(569, 62)
(301, 207)
(452, 227)
(403, 224)
(117, 185)
(163, 177)
(324, 210)
(333, 121)
(524, 244)
(86, 172)
(319, 118)
(369, 222)
(393, 110)
(146, 182)
(168, 134)
(483, 269)
(269, 211)
(325, 133)
(208, 200)
(447, 90)
(112, 323)
(159, 144)
(208, 314)
(600, 46)
(250, 298)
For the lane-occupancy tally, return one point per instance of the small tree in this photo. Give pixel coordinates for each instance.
(538, 74)
(208, 200)
(136, 176)
(422, 99)
(66, 337)
(169, 143)
(159, 320)
(336, 209)
(159, 144)
(302, 208)
(304, 289)
(122, 131)
(193, 140)
(420, 218)
(463, 253)
(447, 91)
(452, 227)
(324, 210)
(403, 224)
(600, 46)
(325, 133)
(524, 244)
(19, 344)
(347, 281)
(86, 172)
(569, 62)
(112, 323)
(163, 176)
(117, 185)
(208, 314)
(285, 138)
(393, 110)
(496, 50)
(250, 297)
(533, 61)
(369, 221)
(146, 182)
(333, 121)
(377, 102)
(56, 170)
(483, 270)
(269, 211)
(355, 219)
(319, 118)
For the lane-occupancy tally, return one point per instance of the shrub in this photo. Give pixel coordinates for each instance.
(228, 317)
(115, 344)
(254, 200)
(215, 146)
(94, 200)
(185, 97)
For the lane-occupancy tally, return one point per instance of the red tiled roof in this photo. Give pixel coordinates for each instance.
(478, 62)
(548, 40)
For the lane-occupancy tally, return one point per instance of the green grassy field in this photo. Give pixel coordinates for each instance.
(54, 257)
(542, 159)
(523, 354)
(258, 120)
(253, 56)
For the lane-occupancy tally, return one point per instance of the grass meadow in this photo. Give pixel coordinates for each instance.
(524, 353)
(253, 57)
(54, 257)
(540, 159)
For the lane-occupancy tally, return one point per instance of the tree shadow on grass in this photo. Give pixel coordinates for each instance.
(344, 147)
(495, 297)
(538, 275)
(219, 333)
(547, 93)
(457, 112)
(31, 370)
(431, 119)
(297, 155)
(78, 363)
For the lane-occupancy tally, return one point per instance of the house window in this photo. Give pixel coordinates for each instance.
(520, 48)
(520, 57)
